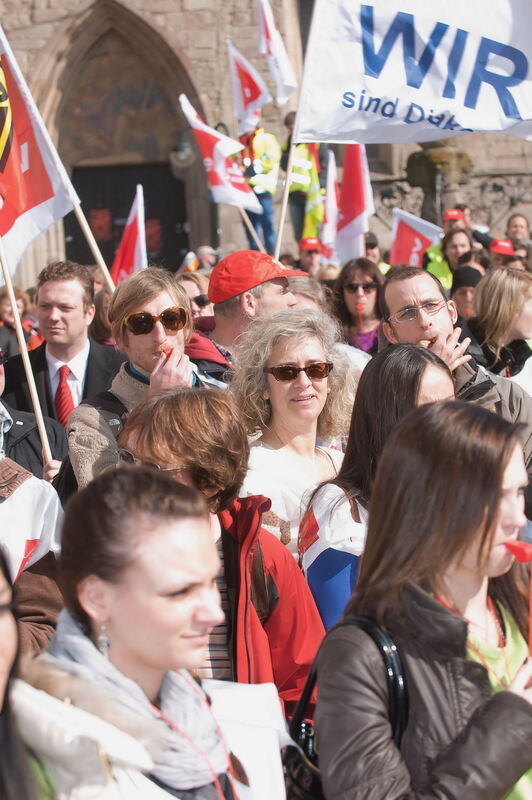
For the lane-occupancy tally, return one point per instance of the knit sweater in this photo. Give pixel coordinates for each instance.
(91, 441)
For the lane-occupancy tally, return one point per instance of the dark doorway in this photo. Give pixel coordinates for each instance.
(107, 194)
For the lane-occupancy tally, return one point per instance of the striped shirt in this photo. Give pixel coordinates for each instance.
(218, 664)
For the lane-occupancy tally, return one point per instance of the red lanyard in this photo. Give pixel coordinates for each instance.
(200, 752)
(502, 681)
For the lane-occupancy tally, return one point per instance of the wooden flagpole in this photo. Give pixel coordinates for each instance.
(91, 241)
(251, 229)
(47, 453)
(284, 203)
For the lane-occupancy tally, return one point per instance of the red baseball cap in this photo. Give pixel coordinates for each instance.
(310, 243)
(242, 270)
(503, 247)
(453, 214)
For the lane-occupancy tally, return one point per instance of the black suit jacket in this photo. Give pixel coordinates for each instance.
(102, 365)
(24, 443)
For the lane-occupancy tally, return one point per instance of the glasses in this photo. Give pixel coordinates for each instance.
(353, 288)
(141, 322)
(126, 457)
(286, 372)
(3, 357)
(411, 313)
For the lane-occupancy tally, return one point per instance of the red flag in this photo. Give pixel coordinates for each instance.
(411, 236)
(249, 91)
(356, 204)
(272, 45)
(226, 180)
(131, 255)
(35, 190)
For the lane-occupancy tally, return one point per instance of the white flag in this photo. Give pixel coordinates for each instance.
(330, 223)
(271, 43)
(250, 92)
(356, 204)
(415, 71)
(226, 179)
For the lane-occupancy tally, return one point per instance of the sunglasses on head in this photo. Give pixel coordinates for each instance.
(368, 287)
(141, 322)
(287, 372)
(3, 357)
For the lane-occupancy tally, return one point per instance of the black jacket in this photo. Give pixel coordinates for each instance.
(102, 365)
(24, 444)
(512, 357)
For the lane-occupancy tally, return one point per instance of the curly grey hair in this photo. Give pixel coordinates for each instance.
(254, 350)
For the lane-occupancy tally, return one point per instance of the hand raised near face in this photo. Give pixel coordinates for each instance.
(450, 350)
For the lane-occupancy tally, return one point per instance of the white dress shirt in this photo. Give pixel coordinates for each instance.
(76, 379)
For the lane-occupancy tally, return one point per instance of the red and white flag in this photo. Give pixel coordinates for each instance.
(131, 255)
(272, 45)
(225, 177)
(249, 91)
(330, 222)
(35, 190)
(356, 204)
(411, 236)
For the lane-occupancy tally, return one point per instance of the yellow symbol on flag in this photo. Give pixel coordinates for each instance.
(6, 122)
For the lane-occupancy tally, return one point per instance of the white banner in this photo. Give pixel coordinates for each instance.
(416, 70)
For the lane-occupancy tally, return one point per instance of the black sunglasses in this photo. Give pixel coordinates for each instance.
(142, 322)
(286, 372)
(3, 357)
(201, 300)
(368, 287)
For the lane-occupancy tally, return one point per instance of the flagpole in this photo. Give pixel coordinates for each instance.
(47, 453)
(91, 241)
(284, 203)
(253, 233)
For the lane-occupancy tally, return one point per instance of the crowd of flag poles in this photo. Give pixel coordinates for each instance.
(371, 74)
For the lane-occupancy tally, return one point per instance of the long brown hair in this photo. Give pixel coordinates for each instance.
(436, 491)
(346, 276)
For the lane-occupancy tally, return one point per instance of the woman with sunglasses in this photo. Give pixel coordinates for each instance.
(293, 390)
(150, 322)
(437, 576)
(357, 293)
(196, 285)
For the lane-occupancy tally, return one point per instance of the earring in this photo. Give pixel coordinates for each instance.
(103, 641)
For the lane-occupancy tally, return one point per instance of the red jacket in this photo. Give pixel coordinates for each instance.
(276, 628)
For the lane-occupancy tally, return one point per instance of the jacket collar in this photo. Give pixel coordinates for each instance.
(431, 623)
(243, 518)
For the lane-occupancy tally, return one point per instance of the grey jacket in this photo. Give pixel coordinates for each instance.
(461, 742)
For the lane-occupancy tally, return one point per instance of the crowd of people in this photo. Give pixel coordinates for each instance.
(243, 457)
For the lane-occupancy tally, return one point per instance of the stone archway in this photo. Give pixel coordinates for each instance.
(107, 85)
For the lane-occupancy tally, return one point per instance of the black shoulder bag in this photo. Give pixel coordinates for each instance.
(301, 769)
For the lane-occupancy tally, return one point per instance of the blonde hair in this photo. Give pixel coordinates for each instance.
(198, 278)
(498, 298)
(252, 355)
(139, 288)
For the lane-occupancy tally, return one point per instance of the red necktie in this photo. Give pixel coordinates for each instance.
(64, 404)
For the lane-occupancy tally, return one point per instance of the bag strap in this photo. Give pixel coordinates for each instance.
(395, 679)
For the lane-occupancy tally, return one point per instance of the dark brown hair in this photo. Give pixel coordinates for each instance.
(67, 271)
(346, 275)
(436, 492)
(396, 274)
(449, 235)
(388, 390)
(103, 524)
(203, 432)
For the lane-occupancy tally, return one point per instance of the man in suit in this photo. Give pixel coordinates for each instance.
(69, 366)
